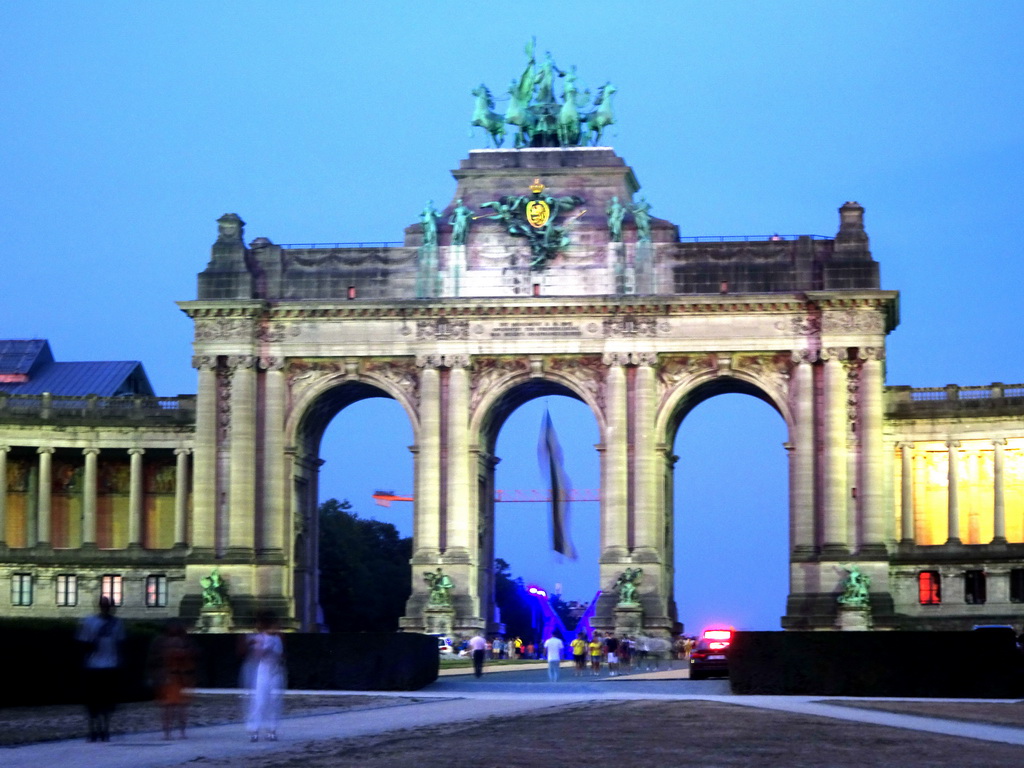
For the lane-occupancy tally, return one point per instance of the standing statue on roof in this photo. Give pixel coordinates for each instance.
(429, 217)
(616, 211)
(460, 221)
(642, 217)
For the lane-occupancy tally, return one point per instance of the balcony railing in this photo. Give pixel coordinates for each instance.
(92, 408)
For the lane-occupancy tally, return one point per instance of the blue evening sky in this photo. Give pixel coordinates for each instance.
(129, 128)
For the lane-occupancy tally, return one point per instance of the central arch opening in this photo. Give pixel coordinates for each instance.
(731, 510)
(522, 524)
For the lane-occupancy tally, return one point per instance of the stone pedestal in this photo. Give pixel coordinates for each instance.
(629, 619)
(439, 620)
(215, 619)
(855, 618)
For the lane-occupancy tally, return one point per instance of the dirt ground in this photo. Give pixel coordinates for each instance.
(636, 734)
(644, 734)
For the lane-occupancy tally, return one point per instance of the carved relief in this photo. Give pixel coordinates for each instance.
(772, 371)
(442, 328)
(272, 363)
(223, 404)
(853, 373)
(224, 329)
(274, 332)
(587, 371)
(853, 321)
(488, 372)
(401, 374)
(674, 370)
(800, 326)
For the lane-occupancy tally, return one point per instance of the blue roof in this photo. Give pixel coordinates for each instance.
(33, 361)
(19, 356)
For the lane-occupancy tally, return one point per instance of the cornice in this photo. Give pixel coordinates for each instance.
(590, 306)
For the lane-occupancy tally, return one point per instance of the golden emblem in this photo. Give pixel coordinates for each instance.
(537, 213)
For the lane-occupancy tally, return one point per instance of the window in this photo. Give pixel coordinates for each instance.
(974, 587)
(67, 589)
(112, 586)
(156, 591)
(21, 589)
(929, 588)
(1017, 585)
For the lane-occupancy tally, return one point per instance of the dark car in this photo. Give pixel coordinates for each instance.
(710, 656)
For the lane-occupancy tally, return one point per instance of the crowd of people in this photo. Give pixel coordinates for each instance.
(592, 655)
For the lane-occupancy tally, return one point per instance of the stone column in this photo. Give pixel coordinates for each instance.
(835, 458)
(427, 509)
(242, 461)
(648, 514)
(135, 522)
(907, 493)
(181, 496)
(44, 510)
(953, 492)
(273, 515)
(871, 494)
(204, 461)
(801, 467)
(3, 495)
(998, 493)
(89, 497)
(461, 514)
(614, 483)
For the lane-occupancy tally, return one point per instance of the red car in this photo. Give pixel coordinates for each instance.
(710, 656)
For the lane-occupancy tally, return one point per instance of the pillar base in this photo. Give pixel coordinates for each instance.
(629, 620)
(215, 620)
(853, 618)
(439, 621)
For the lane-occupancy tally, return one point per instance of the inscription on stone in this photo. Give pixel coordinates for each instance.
(535, 329)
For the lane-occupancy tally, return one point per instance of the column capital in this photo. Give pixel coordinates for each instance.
(804, 356)
(834, 353)
(182, 451)
(90, 451)
(443, 361)
(242, 362)
(905, 444)
(7, 448)
(271, 363)
(45, 450)
(876, 354)
(136, 451)
(999, 441)
(205, 362)
(952, 443)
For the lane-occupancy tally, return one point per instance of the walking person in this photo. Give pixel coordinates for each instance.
(263, 676)
(102, 635)
(553, 647)
(478, 649)
(173, 662)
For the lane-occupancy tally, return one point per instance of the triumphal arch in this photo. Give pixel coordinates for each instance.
(547, 273)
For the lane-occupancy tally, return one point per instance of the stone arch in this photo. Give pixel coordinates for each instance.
(318, 392)
(688, 391)
(324, 395)
(515, 389)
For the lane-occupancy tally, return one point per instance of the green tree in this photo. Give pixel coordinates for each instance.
(511, 598)
(364, 570)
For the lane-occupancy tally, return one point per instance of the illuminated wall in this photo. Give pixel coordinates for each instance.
(975, 488)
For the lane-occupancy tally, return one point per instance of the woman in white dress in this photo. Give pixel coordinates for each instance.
(263, 676)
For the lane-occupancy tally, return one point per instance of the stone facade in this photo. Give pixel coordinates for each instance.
(461, 335)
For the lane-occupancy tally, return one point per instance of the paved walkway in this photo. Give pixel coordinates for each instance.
(463, 700)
